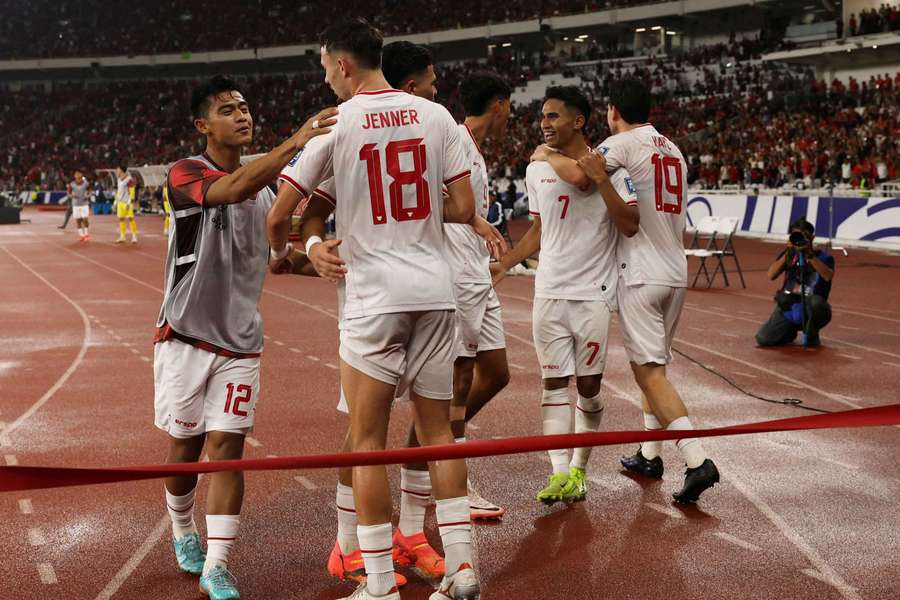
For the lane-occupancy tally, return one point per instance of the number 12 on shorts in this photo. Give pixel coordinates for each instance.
(233, 403)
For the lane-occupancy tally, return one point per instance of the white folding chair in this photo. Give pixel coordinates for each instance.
(719, 234)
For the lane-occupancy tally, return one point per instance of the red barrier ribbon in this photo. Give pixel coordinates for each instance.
(20, 478)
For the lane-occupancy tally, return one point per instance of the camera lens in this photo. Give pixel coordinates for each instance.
(797, 238)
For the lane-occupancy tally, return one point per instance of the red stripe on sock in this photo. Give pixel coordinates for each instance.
(591, 412)
(339, 507)
(180, 511)
(556, 404)
(419, 494)
(376, 551)
(454, 524)
(218, 539)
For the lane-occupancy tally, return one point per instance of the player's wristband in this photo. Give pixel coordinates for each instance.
(312, 241)
(284, 252)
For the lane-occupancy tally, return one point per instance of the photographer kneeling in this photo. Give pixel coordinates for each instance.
(813, 280)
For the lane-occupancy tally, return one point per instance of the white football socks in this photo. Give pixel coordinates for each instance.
(651, 450)
(221, 533)
(455, 527)
(588, 414)
(557, 418)
(415, 494)
(181, 511)
(347, 521)
(691, 448)
(377, 550)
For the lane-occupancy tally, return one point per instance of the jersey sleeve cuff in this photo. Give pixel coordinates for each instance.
(294, 184)
(326, 195)
(466, 173)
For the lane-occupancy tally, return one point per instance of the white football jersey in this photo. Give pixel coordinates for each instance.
(578, 237)
(389, 153)
(468, 254)
(123, 193)
(655, 255)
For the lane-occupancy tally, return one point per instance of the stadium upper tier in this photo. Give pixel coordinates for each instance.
(750, 123)
(65, 28)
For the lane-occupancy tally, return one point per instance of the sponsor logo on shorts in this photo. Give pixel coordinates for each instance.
(185, 424)
(551, 367)
(472, 346)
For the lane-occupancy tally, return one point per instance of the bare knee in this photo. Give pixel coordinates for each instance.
(588, 385)
(221, 445)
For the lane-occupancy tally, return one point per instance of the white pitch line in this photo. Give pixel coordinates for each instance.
(126, 344)
(696, 328)
(737, 541)
(294, 350)
(162, 527)
(25, 506)
(36, 537)
(253, 441)
(671, 512)
(48, 575)
(731, 335)
(265, 337)
(889, 333)
(850, 356)
(890, 364)
(792, 384)
(305, 482)
(331, 366)
(472, 426)
(742, 374)
(11, 460)
(135, 351)
(312, 358)
(4, 433)
(279, 343)
(848, 327)
(839, 584)
(145, 359)
(515, 366)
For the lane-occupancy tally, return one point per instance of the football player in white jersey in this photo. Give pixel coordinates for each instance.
(575, 288)
(395, 289)
(652, 277)
(480, 370)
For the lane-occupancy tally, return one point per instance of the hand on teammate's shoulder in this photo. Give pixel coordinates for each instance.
(319, 124)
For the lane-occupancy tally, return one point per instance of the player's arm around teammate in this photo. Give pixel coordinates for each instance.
(625, 215)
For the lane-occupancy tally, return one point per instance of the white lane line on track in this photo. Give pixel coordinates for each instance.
(737, 541)
(145, 359)
(126, 344)
(25, 506)
(36, 537)
(47, 574)
(294, 350)
(135, 351)
(742, 374)
(791, 384)
(271, 456)
(305, 482)
(777, 520)
(889, 333)
(850, 356)
(848, 327)
(253, 441)
(279, 343)
(11, 460)
(666, 510)
(4, 433)
(312, 358)
(696, 328)
(828, 581)
(891, 364)
(331, 366)
(162, 527)
(515, 366)
(265, 337)
(731, 335)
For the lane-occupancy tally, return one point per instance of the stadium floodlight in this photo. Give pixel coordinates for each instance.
(874, 46)
(656, 28)
(670, 32)
(507, 44)
(640, 30)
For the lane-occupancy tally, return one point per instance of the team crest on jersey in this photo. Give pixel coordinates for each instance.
(629, 185)
(604, 150)
(297, 156)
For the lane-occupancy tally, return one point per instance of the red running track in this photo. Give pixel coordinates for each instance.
(798, 515)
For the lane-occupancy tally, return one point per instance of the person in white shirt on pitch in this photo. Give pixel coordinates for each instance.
(395, 291)
(576, 229)
(652, 276)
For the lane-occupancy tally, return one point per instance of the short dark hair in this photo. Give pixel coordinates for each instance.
(200, 97)
(631, 97)
(356, 37)
(572, 97)
(403, 60)
(803, 225)
(480, 88)
(123, 167)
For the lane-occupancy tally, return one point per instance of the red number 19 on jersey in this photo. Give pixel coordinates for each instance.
(667, 183)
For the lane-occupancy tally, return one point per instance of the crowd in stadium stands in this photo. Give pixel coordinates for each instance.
(63, 28)
(743, 123)
(886, 18)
